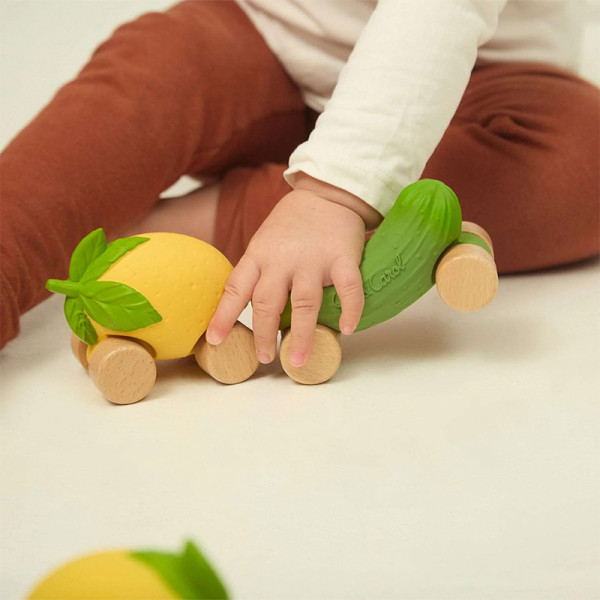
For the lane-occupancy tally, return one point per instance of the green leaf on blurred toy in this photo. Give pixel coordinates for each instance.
(112, 253)
(117, 306)
(189, 574)
(88, 249)
(202, 574)
(79, 322)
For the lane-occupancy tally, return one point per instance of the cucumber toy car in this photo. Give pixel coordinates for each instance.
(148, 297)
(421, 242)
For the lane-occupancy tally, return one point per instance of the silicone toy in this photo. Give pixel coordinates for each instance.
(399, 260)
(421, 242)
(148, 297)
(133, 575)
(152, 296)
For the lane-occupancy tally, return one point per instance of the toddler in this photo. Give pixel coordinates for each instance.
(307, 118)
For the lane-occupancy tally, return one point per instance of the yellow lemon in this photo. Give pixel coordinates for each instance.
(104, 576)
(183, 279)
(137, 575)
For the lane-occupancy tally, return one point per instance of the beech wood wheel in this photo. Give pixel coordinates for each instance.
(466, 276)
(324, 360)
(233, 360)
(123, 370)
(79, 348)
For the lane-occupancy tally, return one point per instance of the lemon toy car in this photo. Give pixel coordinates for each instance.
(149, 297)
(144, 298)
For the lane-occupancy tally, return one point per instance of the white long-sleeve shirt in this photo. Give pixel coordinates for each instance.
(388, 75)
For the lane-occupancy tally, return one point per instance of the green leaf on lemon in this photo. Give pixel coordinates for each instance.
(88, 249)
(201, 573)
(189, 574)
(111, 304)
(117, 306)
(113, 252)
(78, 321)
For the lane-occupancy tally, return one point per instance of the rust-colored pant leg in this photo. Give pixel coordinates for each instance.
(523, 156)
(191, 90)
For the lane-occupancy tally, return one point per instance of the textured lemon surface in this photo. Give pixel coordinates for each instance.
(183, 278)
(104, 576)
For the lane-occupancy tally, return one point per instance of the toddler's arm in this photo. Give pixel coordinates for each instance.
(396, 96)
(393, 101)
(314, 237)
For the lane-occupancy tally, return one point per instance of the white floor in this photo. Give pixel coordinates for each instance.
(453, 456)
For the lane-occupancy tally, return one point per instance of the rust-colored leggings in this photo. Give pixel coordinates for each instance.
(195, 90)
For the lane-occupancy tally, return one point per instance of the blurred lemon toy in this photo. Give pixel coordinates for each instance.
(131, 575)
(148, 297)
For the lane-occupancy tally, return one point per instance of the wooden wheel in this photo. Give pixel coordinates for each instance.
(123, 370)
(79, 348)
(233, 360)
(324, 360)
(466, 276)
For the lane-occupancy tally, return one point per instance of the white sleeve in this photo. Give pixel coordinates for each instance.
(396, 95)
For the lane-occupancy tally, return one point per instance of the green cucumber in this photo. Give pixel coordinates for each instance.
(398, 263)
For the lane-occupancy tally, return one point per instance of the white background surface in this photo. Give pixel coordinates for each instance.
(453, 456)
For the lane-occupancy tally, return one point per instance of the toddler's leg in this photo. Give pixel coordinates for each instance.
(523, 154)
(192, 90)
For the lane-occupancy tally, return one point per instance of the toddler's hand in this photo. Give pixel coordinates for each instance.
(314, 237)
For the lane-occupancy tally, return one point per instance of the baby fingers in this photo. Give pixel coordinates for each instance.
(347, 280)
(237, 294)
(306, 298)
(268, 301)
